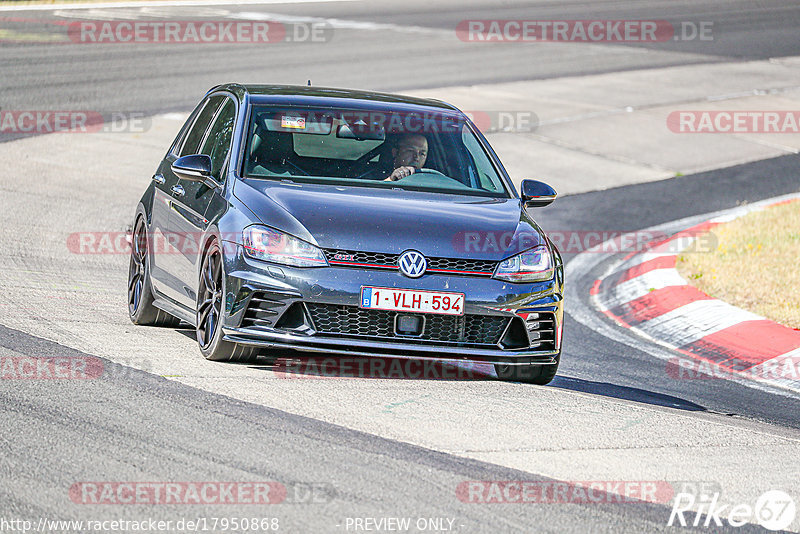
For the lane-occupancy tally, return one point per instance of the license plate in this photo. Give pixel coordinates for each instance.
(411, 300)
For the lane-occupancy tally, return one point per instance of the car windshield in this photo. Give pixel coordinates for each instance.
(436, 151)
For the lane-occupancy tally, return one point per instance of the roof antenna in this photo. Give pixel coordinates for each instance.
(309, 83)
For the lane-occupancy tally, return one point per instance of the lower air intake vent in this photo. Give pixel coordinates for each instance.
(338, 320)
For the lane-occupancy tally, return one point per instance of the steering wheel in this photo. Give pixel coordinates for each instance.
(431, 171)
(426, 171)
(420, 178)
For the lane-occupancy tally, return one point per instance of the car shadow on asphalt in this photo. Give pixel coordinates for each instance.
(339, 367)
(625, 393)
(292, 364)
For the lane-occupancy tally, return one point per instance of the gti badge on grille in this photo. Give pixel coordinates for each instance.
(344, 257)
(412, 264)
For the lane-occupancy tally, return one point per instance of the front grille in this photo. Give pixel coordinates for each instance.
(379, 260)
(338, 320)
(482, 267)
(365, 259)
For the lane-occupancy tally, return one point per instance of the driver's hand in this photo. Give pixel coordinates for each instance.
(400, 172)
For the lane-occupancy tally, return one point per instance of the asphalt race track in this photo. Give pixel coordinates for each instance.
(366, 447)
(398, 56)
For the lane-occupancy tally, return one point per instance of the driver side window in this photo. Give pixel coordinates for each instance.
(218, 141)
(191, 144)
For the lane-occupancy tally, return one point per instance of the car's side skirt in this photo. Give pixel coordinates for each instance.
(175, 309)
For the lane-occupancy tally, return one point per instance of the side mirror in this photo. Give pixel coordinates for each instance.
(537, 194)
(196, 168)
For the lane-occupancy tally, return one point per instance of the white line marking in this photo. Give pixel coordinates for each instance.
(162, 3)
(342, 23)
(100, 14)
(137, 14)
(169, 12)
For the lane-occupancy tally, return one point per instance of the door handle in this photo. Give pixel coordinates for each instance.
(178, 191)
(159, 179)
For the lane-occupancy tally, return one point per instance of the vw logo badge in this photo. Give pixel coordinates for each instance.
(412, 264)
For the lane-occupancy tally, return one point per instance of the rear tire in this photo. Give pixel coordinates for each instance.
(529, 373)
(209, 314)
(140, 295)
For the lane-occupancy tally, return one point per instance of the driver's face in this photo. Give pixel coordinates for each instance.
(411, 151)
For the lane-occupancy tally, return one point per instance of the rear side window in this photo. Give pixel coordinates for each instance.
(192, 143)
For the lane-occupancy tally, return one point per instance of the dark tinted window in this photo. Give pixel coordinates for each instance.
(192, 143)
(218, 142)
(363, 147)
(178, 142)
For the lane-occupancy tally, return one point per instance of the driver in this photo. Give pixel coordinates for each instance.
(409, 153)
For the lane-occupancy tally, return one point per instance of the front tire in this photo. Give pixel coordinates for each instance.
(140, 294)
(210, 298)
(529, 374)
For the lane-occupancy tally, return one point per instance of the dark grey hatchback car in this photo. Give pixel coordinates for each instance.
(350, 223)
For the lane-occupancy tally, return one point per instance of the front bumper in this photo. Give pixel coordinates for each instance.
(285, 286)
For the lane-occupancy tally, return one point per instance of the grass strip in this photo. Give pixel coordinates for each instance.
(756, 264)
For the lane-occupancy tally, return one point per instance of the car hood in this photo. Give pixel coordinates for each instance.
(391, 221)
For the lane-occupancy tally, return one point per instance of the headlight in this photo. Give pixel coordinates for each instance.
(532, 265)
(267, 244)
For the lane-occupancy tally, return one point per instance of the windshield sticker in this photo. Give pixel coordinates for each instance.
(298, 123)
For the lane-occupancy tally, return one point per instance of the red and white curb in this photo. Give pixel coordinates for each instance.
(645, 294)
